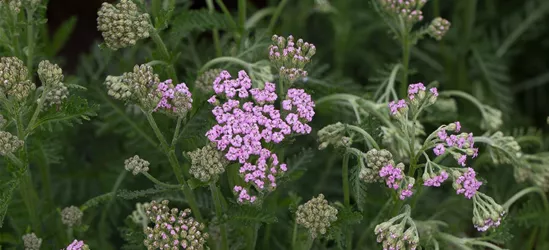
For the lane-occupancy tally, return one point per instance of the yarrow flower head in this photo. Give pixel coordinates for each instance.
(290, 56)
(52, 76)
(136, 165)
(398, 232)
(9, 143)
(176, 99)
(316, 215)
(376, 160)
(122, 24)
(207, 163)
(205, 80)
(417, 93)
(139, 86)
(333, 134)
(246, 118)
(71, 216)
(173, 229)
(397, 180)
(77, 245)
(438, 28)
(434, 177)
(31, 242)
(408, 10)
(459, 145)
(486, 212)
(398, 108)
(14, 81)
(465, 182)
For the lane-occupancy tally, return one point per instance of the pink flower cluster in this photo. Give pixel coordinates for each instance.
(461, 142)
(437, 180)
(487, 224)
(298, 55)
(170, 94)
(75, 245)
(243, 125)
(393, 178)
(414, 89)
(467, 184)
(396, 107)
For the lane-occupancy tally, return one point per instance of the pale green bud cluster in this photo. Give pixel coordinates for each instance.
(316, 215)
(333, 134)
(207, 163)
(492, 119)
(31, 242)
(438, 28)
(118, 89)
(13, 5)
(506, 149)
(52, 77)
(398, 233)
(122, 25)
(71, 216)
(534, 168)
(291, 56)
(139, 216)
(173, 229)
(2, 121)
(136, 165)
(376, 159)
(143, 83)
(486, 212)
(9, 143)
(204, 82)
(14, 82)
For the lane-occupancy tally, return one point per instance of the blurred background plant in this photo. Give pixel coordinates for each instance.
(494, 52)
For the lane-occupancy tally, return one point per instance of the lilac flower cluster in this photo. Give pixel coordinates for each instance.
(486, 212)
(398, 233)
(416, 95)
(466, 183)
(397, 107)
(409, 10)
(244, 124)
(177, 99)
(290, 57)
(436, 180)
(463, 143)
(419, 89)
(77, 245)
(394, 179)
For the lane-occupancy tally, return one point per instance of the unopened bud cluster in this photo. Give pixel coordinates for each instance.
(398, 233)
(438, 28)
(333, 134)
(207, 163)
(9, 143)
(173, 229)
(175, 100)
(506, 149)
(78, 245)
(14, 82)
(486, 212)
(31, 242)
(136, 165)
(290, 57)
(71, 216)
(376, 160)
(204, 82)
(122, 25)
(51, 76)
(13, 5)
(492, 119)
(316, 215)
(2, 121)
(408, 10)
(534, 168)
(139, 86)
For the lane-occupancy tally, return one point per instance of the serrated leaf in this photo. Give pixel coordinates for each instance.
(358, 188)
(73, 111)
(6, 192)
(247, 215)
(198, 20)
(530, 213)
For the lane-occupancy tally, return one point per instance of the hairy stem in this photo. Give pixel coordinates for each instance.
(219, 214)
(524, 192)
(223, 59)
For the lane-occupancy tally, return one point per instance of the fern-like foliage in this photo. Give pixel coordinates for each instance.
(74, 111)
(358, 187)
(528, 215)
(6, 192)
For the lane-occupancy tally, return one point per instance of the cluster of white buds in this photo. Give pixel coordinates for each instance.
(14, 81)
(333, 134)
(486, 212)
(139, 87)
(122, 25)
(408, 10)
(316, 215)
(290, 57)
(376, 160)
(71, 216)
(400, 232)
(117, 88)
(438, 28)
(173, 229)
(136, 165)
(51, 76)
(31, 242)
(207, 163)
(204, 82)
(9, 143)
(12, 5)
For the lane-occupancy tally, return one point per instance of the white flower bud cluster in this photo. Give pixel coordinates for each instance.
(377, 159)
(408, 10)
(204, 82)
(13, 5)
(333, 134)
(173, 229)
(117, 88)
(207, 163)
(399, 232)
(52, 77)
(71, 216)
(9, 143)
(316, 215)
(31, 242)
(438, 28)
(14, 82)
(122, 25)
(136, 165)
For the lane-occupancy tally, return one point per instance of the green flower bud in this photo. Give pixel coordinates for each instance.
(31, 242)
(49, 73)
(143, 83)
(71, 216)
(136, 165)
(316, 215)
(438, 28)
(122, 25)
(9, 143)
(14, 82)
(13, 5)
(117, 88)
(2, 121)
(204, 82)
(207, 163)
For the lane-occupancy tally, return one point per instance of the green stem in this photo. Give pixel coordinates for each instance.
(346, 197)
(29, 198)
(160, 183)
(294, 234)
(405, 63)
(366, 135)
(310, 242)
(219, 214)
(30, 126)
(250, 236)
(465, 96)
(177, 130)
(165, 54)
(228, 59)
(275, 16)
(30, 42)
(15, 160)
(241, 17)
(227, 13)
(215, 32)
(522, 193)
